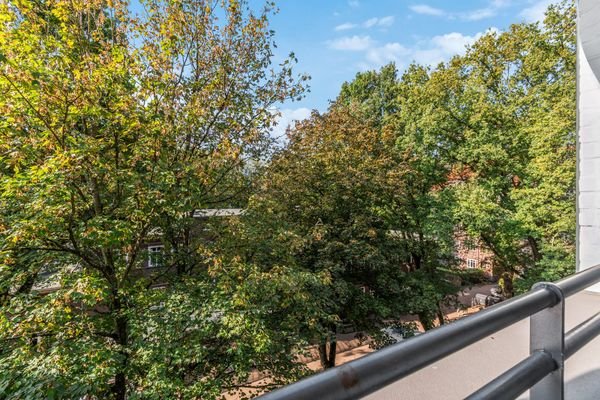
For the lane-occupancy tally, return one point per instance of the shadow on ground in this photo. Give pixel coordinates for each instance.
(584, 387)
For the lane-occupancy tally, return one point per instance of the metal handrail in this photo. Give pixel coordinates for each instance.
(518, 379)
(581, 335)
(381, 368)
(534, 368)
(581, 280)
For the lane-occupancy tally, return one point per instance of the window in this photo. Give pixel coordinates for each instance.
(471, 263)
(155, 256)
(366, 290)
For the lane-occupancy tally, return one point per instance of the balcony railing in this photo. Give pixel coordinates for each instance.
(542, 371)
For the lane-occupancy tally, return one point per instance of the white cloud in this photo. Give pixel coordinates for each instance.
(353, 43)
(431, 56)
(426, 52)
(453, 43)
(345, 26)
(287, 118)
(383, 22)
(370, 22)
(479, 14)
(353, 3)
(386, 21)
(389, 52)
(427, 10)
(443, 47)
(494, 6)
(501, 3)
(536, 11)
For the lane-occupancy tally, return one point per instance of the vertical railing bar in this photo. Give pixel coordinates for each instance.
(547, 333)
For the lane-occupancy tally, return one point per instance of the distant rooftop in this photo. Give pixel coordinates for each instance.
(218, 212)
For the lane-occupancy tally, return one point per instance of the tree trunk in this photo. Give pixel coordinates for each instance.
(119, 388)
(426, 321)
(535, 251)
(508, 287)
(416, 261)
(328, 358)
(332, 352)
(440, 315)
(323, 355)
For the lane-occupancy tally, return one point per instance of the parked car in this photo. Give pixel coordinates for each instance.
(481, 299)
(397, 333)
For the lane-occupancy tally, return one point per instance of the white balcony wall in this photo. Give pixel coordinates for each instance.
(588, 138)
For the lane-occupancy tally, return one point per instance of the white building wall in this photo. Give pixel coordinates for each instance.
(588, 166)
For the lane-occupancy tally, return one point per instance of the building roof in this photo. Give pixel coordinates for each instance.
(218, 212)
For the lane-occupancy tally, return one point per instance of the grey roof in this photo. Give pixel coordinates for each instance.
(218, 212)
(48, 280)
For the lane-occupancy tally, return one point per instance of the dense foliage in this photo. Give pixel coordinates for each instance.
(115, 128)
(372, 194)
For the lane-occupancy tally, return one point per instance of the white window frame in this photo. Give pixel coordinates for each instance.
(471, 263)
(152, 250)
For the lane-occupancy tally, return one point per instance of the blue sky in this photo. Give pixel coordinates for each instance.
(335, 39)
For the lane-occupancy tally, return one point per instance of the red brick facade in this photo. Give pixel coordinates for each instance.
(472, 254)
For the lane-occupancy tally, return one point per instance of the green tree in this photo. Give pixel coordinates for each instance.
(406, 109)
(326, 205)
(114, 128)
(372, 93)
(516, 137)
(424, 139)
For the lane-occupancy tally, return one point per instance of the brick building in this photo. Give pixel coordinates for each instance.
(472, 254)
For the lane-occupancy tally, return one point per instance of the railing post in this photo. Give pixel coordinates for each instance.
(547, 333)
